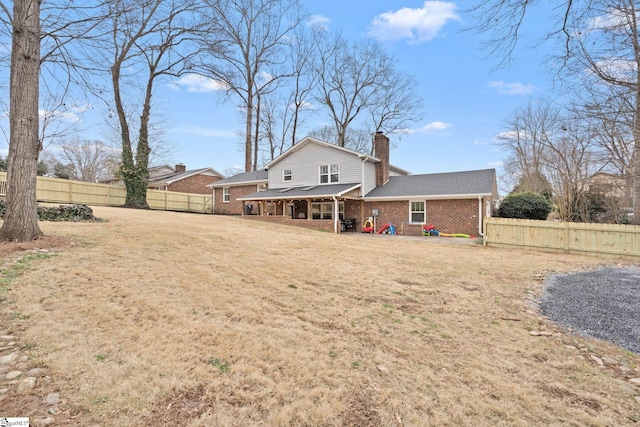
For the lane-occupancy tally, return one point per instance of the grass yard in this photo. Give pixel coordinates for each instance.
(158, 318)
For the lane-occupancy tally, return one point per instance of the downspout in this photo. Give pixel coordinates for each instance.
(335, 214)
(480, 216)
(213, 200)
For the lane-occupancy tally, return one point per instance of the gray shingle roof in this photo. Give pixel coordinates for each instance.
(242, 178)
(437, 184)
(170, 178)
(305, 192)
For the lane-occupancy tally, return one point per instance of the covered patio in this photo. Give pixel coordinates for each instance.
(325, 207)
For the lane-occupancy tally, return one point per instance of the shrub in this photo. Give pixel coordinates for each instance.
(59, 213)
(525, 205)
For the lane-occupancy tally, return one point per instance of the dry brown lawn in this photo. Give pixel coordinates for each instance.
(158, 318)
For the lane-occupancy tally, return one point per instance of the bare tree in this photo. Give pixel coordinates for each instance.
(245, 48)
(528, 131)
(359, 140)
(552, 153)
(21, 221)
(360, 77)
(598, 47)
(395, 104)
(86, 160)
(149, 37)
(37, 43)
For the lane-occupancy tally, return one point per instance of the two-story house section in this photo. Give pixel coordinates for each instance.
(322, 186)
(317, 181)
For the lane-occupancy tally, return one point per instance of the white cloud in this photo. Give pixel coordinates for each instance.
(515, 88)
(415, 25)
(480, 142)
(319, 21)
(196, 83)
(64, 116)
(434, 127)
(497, 164)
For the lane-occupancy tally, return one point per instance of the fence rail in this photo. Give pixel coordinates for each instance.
(54, 190)
(609, 240)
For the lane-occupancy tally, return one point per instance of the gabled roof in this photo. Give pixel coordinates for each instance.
(308, 140)
(305, 192)
(251, 177)
(171, 178)
(438, 185)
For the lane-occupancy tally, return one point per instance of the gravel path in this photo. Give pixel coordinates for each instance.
(603, 304)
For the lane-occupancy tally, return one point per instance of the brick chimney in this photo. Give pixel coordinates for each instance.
(180, 168)
(381, 151)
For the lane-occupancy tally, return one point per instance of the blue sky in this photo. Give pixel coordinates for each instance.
(465, 101)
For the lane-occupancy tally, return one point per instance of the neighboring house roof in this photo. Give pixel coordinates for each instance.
(251, 177)
(311, 191)
(438, 185)
(171, 178)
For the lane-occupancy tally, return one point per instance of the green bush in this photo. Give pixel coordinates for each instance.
(60, 213)
(525, 205)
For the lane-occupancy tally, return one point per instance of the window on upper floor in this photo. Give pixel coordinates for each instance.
(287, 175)
(330, 174)
(226, 195)
(262, 187)
(417, 212)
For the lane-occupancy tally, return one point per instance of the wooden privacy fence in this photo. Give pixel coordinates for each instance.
(612, 240)
(54, 190)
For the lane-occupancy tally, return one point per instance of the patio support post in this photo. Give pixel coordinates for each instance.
(335, 215)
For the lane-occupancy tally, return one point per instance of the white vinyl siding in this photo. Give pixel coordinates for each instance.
(305, 164)
(417, 212)
(369, 177)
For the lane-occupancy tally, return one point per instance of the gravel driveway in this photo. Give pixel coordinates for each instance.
(603, 304)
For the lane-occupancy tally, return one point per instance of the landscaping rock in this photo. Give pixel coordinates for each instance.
(596, 359)
(26, 385)
(635, 381)
(52, 399)
(9, 359)
(12, 375)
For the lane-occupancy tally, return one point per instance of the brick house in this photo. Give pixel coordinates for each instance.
(177, 179)
(322, 186)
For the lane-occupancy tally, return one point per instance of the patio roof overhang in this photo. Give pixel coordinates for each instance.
(323, 191)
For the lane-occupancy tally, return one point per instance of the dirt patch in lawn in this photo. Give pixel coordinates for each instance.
(158, 318)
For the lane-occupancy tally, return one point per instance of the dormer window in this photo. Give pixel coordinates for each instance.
(330, 174)
(287, 176)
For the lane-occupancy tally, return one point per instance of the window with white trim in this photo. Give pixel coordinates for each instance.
(417, 212)
(325, 210)
(262, 187)
(226, 195)
(330, 174)
(287, 175)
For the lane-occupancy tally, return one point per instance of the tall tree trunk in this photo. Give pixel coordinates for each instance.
(635, 159)
(138, 181)
(21, 219)
(256, 137)
(248, 142)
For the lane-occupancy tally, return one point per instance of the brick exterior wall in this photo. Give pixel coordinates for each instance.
(454, 216)
(315, 224)
(233, 207)
(447, 216)
(196, 184)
